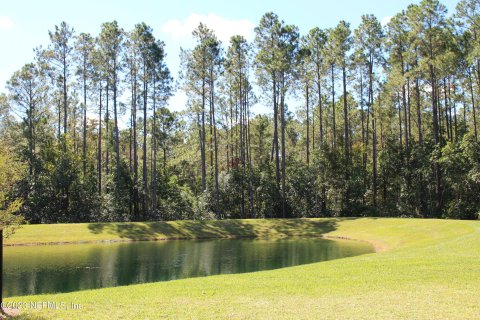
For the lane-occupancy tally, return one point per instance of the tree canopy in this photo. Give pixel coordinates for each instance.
(375, 120)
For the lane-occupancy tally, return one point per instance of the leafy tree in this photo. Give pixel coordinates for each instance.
(368, 39)
(28, 95)
(199, 80)
(10, 220)
(161, 92)
(84, 47)
(267, 42)
(306, 75)
(316, 43)
(277, 48)
(240, 98)
(429, 26)
(10, 172)
(110, 41)
(57, 62)
(460, 165)
(408, 146)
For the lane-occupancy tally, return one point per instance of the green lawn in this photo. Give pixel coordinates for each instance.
(95, 232)
(425, 269)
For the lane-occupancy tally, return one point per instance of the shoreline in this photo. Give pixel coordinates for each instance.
(376, 246)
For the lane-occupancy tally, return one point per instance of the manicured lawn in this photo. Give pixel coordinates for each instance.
(93, 232)
(425, 269)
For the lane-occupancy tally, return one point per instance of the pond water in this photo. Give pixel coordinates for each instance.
(64, 268)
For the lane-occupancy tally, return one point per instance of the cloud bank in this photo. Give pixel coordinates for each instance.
(6, 23)
(385, 20)
(224, 27)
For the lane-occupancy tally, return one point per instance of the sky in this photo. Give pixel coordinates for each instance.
(24, 24)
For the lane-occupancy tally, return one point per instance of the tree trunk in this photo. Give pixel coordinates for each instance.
(99, 152)
(409, 111)
(419, 111)
(275, 133)
(164, 162)
(59, 107)
(249, 159)
(455, 111)
(374, 135)
(210, 146)
(73, 120)
(115, 111)
(347, 143)
(84, 146)
(308, 122)
(436, 141)
(364, 151)
(450, 117)
(212, 102)
(313, 127)
(202, 140)
(473, 105)
(334, 141)
(447, 122)
(242, 144)
(320, 111)
(154, 146)
(107, 129)
(228, 134)
(144, 147)
(130, 147)
(439, 109)
(405, 110)
(282, 120)
(400, 132)
(135, 148)
(30, 131)
(65, 100)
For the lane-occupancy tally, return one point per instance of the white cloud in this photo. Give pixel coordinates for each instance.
(385, 20)
(224, 27)
(6, 23)
(178, 101)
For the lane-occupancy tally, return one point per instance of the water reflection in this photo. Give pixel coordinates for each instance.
(65, 268)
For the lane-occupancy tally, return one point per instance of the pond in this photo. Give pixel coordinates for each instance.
(71, 267)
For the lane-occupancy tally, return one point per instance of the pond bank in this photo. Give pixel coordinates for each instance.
(428, 269)
(49, 234)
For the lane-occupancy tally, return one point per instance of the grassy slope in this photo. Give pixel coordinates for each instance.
(92, 232)
(429, 269)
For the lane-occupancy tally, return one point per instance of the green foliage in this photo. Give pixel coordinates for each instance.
(364, 146)
(176, 202)
(461, 169)
(10, 171)
(234, 186)
(303, 193)
(56, 191)
(118, 200)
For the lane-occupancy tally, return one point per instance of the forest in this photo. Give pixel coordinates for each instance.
(373, 121)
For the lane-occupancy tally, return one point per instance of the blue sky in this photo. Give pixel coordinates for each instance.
(25, 24)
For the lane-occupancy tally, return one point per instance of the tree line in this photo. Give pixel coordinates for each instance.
(385, 122)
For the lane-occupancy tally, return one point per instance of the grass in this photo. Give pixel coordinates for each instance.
(131, 231)
(425, 269)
